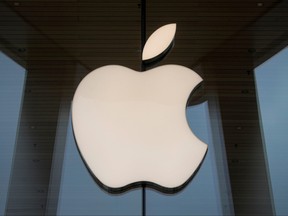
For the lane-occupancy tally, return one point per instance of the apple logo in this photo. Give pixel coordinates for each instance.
(131, 127)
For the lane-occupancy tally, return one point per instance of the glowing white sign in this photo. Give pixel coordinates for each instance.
(131, 127)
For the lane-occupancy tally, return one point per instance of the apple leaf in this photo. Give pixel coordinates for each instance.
(159, 41)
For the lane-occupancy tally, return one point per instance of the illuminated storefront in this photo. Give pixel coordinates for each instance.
(239, 110)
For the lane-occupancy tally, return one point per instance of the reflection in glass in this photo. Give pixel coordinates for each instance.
(12, 79)
(272, 88)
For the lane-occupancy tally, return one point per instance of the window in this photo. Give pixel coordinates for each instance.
(272, 87)
(11, 91)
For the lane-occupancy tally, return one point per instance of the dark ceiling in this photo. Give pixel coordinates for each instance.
(59, 42)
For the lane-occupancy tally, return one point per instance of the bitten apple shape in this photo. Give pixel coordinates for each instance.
(131, 127)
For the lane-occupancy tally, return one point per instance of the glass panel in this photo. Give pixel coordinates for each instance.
(202, 195)
(80, 195)
(272, 87)
(12, 79)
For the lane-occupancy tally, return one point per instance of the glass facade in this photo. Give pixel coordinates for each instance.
(12, 84)
(239, 110)
(271, 80)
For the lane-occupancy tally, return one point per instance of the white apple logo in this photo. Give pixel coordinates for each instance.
(131, 127)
